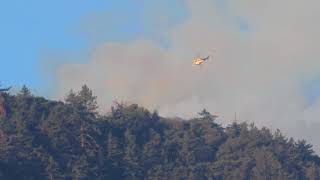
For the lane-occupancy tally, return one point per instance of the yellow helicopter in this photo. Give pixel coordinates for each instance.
(199, 61)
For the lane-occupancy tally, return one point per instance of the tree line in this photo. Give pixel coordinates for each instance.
(45, 139)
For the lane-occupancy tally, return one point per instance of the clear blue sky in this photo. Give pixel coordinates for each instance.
(28, 27)
(32, 28)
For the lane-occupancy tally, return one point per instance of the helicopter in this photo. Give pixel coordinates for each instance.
(199, 61)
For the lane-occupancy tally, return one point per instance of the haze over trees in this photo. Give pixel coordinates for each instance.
(44, 139)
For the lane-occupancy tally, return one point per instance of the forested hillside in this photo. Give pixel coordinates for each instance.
(44, 139)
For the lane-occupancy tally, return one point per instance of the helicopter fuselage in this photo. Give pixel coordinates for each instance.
(199, 61)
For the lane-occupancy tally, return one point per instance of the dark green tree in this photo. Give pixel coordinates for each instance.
(204, 114)
(131, 157)
(53, 170)
(84, 100)
(24, 92)
(81, 169)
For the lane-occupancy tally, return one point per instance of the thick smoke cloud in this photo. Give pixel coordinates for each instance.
(258, 72)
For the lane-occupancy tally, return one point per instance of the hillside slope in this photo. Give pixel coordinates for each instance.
(43, 139)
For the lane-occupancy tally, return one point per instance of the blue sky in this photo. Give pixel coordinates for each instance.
(33, 29)
(28, 27)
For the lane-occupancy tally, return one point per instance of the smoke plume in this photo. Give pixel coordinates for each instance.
(262, 53)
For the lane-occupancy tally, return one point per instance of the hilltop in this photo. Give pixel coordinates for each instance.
(45, 139)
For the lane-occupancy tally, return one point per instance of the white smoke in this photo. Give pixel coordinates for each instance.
(257, 73)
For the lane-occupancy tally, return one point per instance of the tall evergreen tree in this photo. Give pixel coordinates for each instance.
(131, 156)
(84, 100)
(204, 114)
(53, 170)
(24, 92)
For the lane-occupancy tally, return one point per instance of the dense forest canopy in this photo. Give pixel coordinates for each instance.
(44, 139)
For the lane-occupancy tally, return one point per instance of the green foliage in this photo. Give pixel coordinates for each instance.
(41, 139)
(83, 100)
(24, 92)
(204, 114)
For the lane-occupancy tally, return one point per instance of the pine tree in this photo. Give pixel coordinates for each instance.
(53, 169)
(83, 100)
(24, 92)
(151, 149)
(114, 152)
(132, 170)
(80, 169)
(71, 97)
(87, 99)
(206, 115)
(114, 157)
